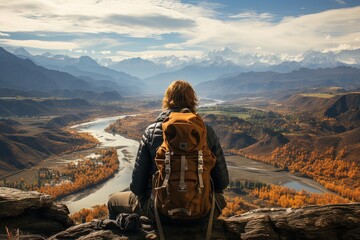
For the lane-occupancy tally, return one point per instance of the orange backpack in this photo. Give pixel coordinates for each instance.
(182, 184)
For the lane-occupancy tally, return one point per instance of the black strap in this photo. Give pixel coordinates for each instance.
(185, 110)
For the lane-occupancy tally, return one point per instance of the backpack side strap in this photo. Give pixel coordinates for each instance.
(211, 218)
(157, 218)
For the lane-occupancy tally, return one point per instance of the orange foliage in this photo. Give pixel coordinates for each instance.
(286, 197)
(236, 206)
(88, 214)
(335, 174)
(85, 174)
(80, 137)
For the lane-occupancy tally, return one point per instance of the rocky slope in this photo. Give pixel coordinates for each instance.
(37, 217)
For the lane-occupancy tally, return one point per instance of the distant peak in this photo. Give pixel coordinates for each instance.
(87, 60)
(46, 54)
(224, 50)
(22, 51)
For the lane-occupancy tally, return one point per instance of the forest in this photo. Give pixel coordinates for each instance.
(84, 173)
(73, 177)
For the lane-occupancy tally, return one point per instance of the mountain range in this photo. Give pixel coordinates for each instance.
(271, 82)
(21, 76)
(246, 62)
(157, 73)
(85, 68)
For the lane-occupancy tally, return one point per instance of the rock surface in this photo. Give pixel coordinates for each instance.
(35, 213)
(32, 213)
(329, 222)
(311, 222)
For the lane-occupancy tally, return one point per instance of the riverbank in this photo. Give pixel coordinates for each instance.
(241, 168)
(126, 150)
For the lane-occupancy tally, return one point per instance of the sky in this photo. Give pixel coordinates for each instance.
(119, 29)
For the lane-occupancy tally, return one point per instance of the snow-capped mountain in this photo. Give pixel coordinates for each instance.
(173, 61)
(314, 59)
(228, 55)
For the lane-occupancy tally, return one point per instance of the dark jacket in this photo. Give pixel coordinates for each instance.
(145, 165)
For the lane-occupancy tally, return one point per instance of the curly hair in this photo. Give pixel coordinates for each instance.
(180, 94)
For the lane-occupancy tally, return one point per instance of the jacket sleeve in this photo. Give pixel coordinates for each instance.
(219, 173)
(141, 172)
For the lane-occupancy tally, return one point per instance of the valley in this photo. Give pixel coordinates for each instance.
(290, 134)
(319, 141)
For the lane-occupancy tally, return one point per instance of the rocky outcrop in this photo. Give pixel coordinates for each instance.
(36, 213)
(330, 222)
(32, 213)
(311, 222)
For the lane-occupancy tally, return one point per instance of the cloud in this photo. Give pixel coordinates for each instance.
(252, 15)
(105, 52)
(341, 1)
(150, 21)
(4, 34)
(291, 34)
(339, 48)
(40, 44)
(146, 18)
(197, 26)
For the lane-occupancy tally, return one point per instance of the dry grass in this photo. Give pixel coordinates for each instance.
(319, 95)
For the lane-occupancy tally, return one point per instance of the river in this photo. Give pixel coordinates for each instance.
(127, 149)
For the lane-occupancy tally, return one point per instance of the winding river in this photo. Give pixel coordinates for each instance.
(127, 149)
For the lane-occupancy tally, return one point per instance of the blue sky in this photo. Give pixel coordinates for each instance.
(151, 28)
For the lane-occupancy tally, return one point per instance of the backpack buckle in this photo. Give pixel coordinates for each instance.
(182, 187)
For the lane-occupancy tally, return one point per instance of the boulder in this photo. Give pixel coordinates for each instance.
(31, 212)
(14, 202)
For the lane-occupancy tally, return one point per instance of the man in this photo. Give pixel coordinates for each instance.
(179, 95)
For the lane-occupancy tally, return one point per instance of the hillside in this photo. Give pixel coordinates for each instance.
(26, 143)
(37, 107)
(83, 66)
(350, 102)
(104, 96)
(16, 73)
(32, 129)
(311, 103)
(24, 78)
(344, 107)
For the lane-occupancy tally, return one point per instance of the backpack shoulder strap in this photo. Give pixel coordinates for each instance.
(185, 110)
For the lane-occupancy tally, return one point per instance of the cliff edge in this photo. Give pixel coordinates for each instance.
(38, 217)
